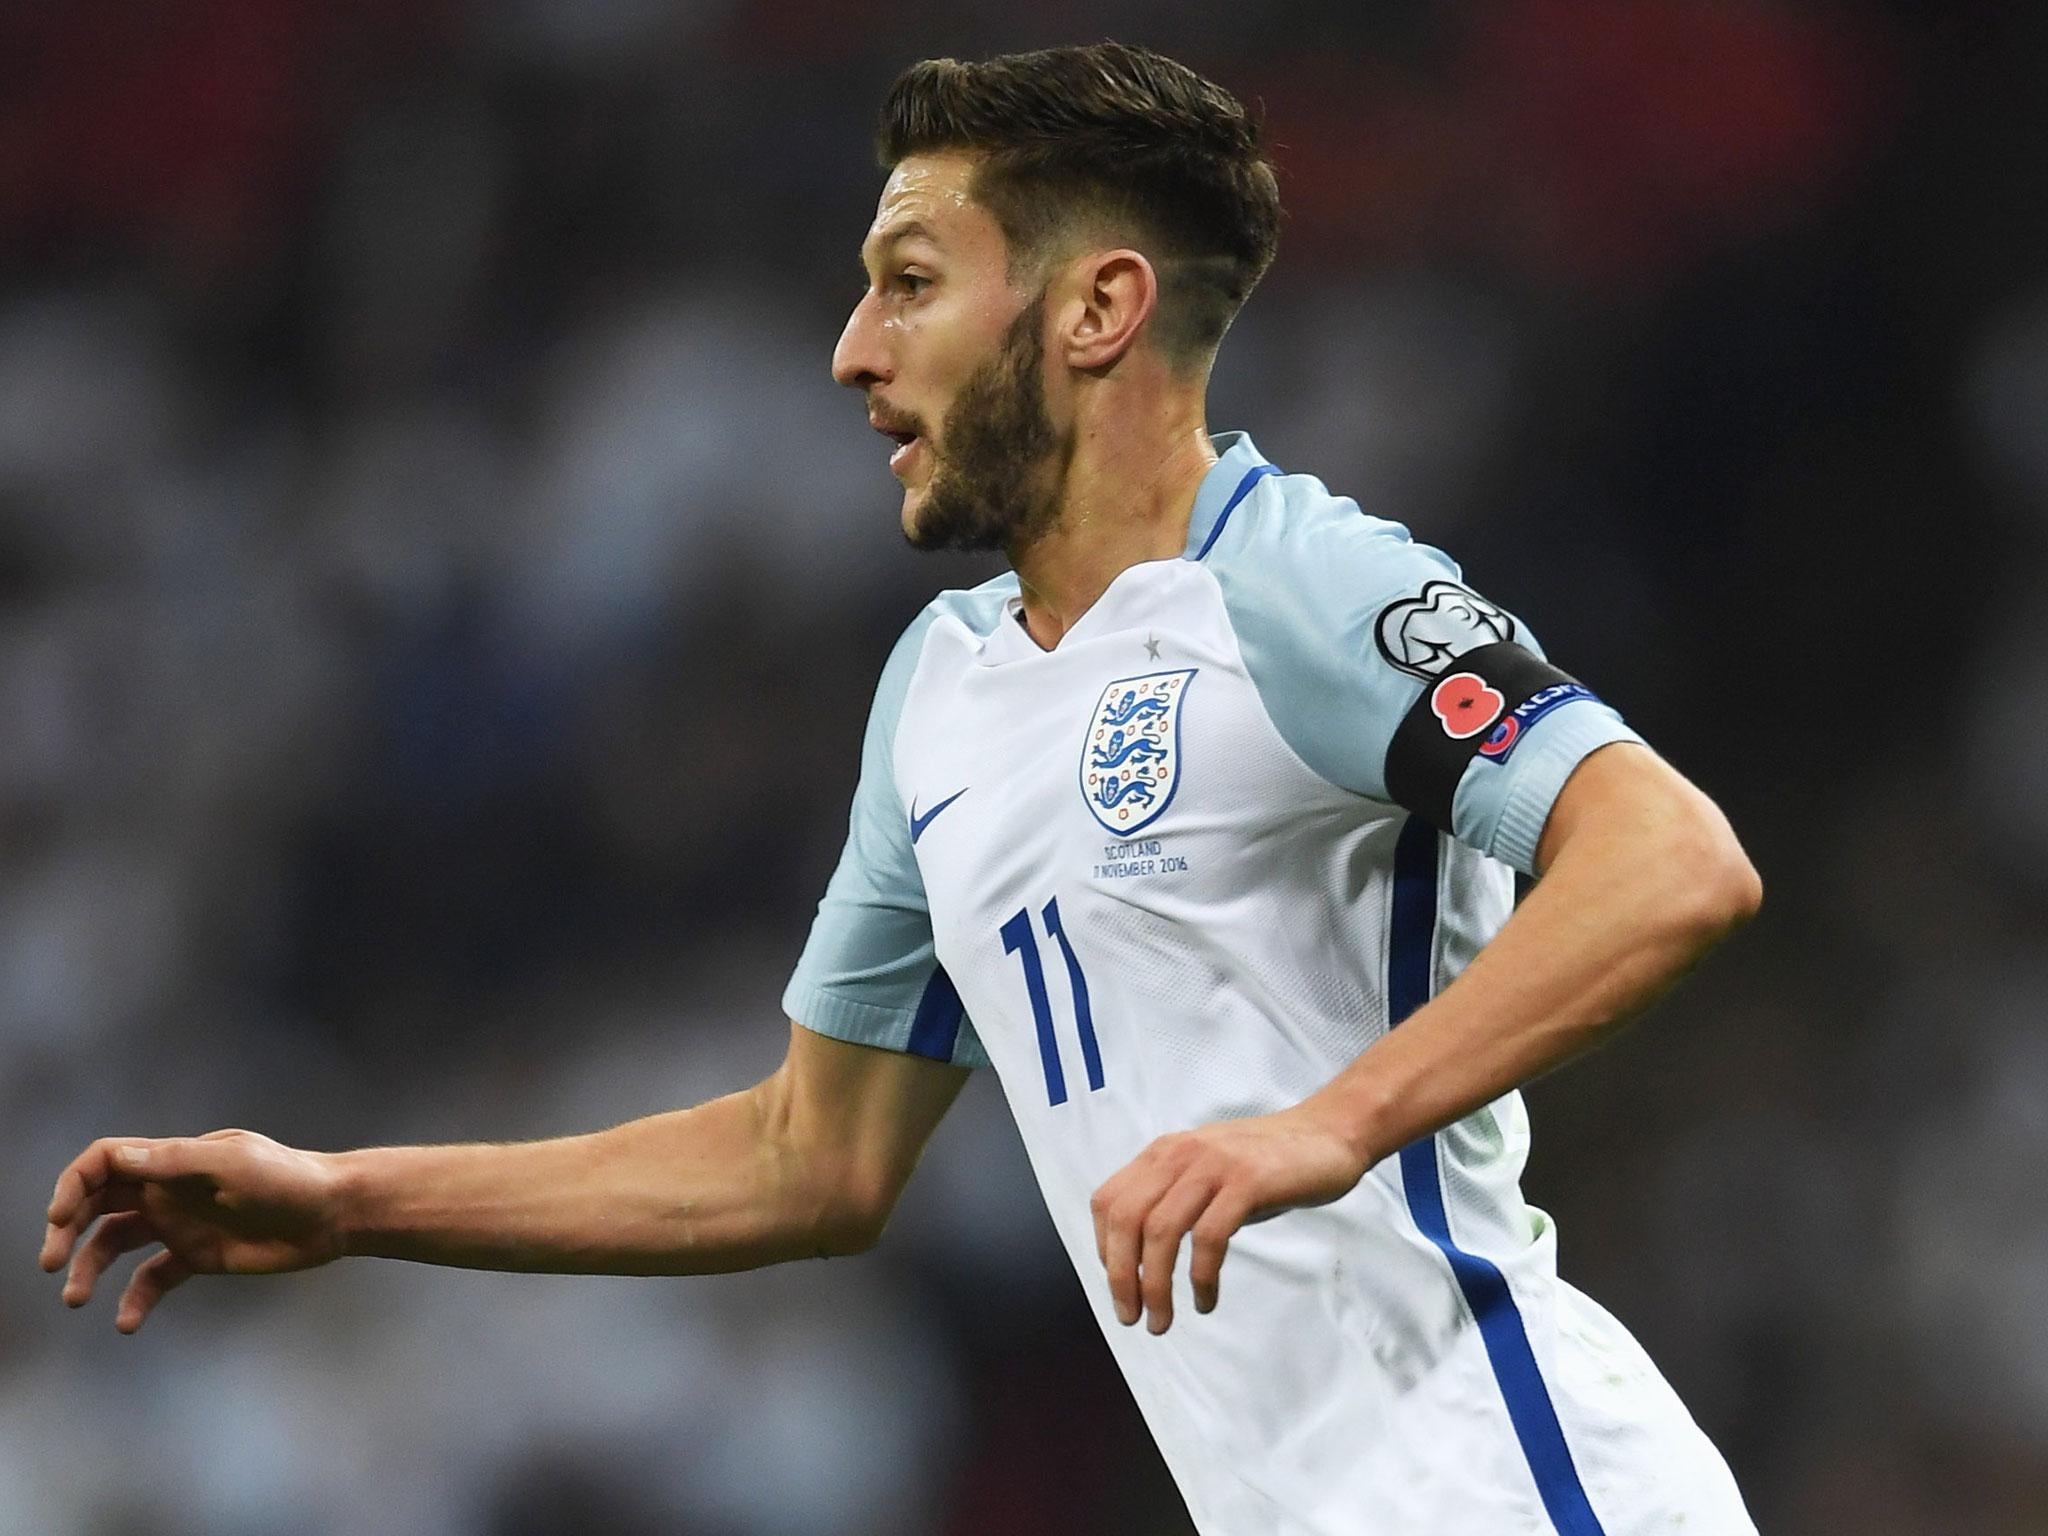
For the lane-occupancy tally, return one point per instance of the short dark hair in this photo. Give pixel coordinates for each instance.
(1112, 135)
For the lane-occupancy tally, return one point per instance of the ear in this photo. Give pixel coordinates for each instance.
(1111, 294)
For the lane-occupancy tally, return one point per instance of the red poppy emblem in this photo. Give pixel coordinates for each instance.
(1466, 705)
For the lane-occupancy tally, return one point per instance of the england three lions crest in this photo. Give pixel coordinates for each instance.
(1130, 760)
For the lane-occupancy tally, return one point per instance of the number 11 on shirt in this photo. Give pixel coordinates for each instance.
(1020, 940)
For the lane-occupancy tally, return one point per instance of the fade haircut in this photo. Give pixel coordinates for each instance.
(1111, 140)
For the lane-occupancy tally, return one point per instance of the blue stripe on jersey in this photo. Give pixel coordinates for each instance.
(935, 1027)
(1412, 937)
(1251, 478)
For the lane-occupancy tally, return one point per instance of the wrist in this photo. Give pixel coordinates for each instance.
(349, 1200)
(1351, 1113)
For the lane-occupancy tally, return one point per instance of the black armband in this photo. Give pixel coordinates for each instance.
(1480, 706)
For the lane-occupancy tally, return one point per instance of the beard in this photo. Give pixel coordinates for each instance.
(990, 488)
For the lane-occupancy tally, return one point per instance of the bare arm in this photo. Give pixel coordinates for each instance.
(1641, 877)
(806, 1163)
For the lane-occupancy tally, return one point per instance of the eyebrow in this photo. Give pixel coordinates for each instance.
(911, 229)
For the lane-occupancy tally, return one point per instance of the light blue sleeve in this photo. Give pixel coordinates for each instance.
(868, 973)
(1312, 585)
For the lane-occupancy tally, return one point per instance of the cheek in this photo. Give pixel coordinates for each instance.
(951, 336)
(938, 347)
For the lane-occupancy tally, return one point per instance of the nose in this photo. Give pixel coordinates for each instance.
(860, 361)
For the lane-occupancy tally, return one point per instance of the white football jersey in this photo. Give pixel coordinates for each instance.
(1255, 807)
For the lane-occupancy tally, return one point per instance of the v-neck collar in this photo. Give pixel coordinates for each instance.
(1238, 466)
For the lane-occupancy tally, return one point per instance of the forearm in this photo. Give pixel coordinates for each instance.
(694, 1191)
(1625, 910)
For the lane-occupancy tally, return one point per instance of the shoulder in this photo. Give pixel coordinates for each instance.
(1292, 538)
(1312, 583)
(1342, 619)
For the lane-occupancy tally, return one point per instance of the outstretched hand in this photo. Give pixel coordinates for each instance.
(228, 1203)
(1210, 1182)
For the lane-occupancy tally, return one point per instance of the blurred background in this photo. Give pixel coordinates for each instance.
(440, 593)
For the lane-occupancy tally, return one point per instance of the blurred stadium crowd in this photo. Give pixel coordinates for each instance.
(442, 590)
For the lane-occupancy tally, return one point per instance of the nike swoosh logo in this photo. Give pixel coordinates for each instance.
(919, 823)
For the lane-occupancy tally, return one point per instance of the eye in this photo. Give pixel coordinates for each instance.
(910, 284)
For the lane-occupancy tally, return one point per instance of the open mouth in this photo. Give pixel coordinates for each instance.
(906, 445)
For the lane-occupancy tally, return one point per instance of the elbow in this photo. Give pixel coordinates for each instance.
(1749, 892)
(853, 1222)
(845, 1240)
(1677, 874)
(855, 1202)
(1732, 895)
(1719, 889)
(849, 1241)
(821, 1203)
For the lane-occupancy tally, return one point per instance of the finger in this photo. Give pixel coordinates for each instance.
(1123, 1231)
(106, 1176)
(112, 1194)
(85, 1176)
(1213, 1231)
(109, 1161)
(153, 1278)
(1100, 1207)
(1155, 1167)
(1165, 1225)
(57, 1241)
(116, 1235)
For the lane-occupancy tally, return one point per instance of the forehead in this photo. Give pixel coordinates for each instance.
(926, 197)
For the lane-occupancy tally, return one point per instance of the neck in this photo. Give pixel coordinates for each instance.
(1126, 498)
